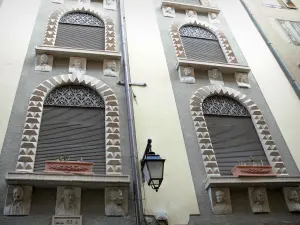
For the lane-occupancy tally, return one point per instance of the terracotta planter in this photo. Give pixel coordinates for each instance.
(69, 167)
(253, 171)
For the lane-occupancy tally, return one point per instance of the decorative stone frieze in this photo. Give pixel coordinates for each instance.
(111, 68)
(292, 200)
(18, 201)
(208, 155)
(44, 63)
(242, 80)
(258, 199)
(31, 130)
(179, 48)
(187, 75)
(168, 11)
(116, 201)
(110, 4)
(68, 200)
(220, 201)
(77, 65)
(191, 15)
(51, 30)
(215, 77)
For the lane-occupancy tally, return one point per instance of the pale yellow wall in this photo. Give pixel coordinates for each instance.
(275, 87)
(156, 115)
(17, 19)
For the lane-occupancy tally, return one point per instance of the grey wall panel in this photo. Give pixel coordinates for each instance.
(234, 139)
(78, 36)
(203, 49)
(73, 131)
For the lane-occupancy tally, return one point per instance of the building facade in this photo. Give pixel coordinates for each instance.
(203, 106)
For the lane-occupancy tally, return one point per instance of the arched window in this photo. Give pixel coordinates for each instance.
(200, 44)
(73, 124)
(81, 30)
(232, 133)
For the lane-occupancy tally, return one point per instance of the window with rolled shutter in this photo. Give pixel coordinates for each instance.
(81, 30)
(201, 45)
(73, 124)
(232, 133)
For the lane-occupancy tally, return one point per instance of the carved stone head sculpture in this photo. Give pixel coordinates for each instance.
(242, 80)
(215, 77)
(168, 11)
(77, 65)
(110, 68)
(20, 201)
(291, 195)
(220, 201)
(44, 63)
(44, 59)
(186, 75)
(67, 203)
(114, 206)
(109, 4)
(258, 200)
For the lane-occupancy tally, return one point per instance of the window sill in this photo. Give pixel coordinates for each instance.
(184, 6)
(52, 180)
(223, 67)
(238, 182)
(61, 52)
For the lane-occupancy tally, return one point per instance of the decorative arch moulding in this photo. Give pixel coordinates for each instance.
(51, 32)
(28, 147)
(205, 144)
(179, 48)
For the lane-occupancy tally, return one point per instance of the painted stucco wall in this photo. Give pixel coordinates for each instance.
(279, 95)
(156, 115)
(43, 200)
(17, 19)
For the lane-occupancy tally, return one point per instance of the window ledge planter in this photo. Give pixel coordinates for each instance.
(253, 171)
(63, 52)
(73, 167)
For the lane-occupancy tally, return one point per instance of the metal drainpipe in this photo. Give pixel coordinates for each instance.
(287, 73)
(132, 138)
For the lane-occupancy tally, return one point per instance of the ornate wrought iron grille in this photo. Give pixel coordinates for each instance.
(225, 106)
(196, 32)
(83, 19)
(75, 96)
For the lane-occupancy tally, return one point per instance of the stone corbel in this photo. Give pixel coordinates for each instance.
(111, 68)
(215, 77)
(18, 201)
(43, 63)
(291, 196)
(116, 201)
(242, 80)
(258, 199)
(220, 200)
(186, 75)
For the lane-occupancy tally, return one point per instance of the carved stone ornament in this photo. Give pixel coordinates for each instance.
(205, 2)
(18, 201)
(220, 201)
(77, 65)
(242, 80)
(168, 11)
(291, 196)
(68, 201)
(215, 77)
(110, 4)
(258, 199)
(187, 75)
(116, 201)
(44, 63)
(191, 15)
(67, 220)
(213, 18)
(110, 68)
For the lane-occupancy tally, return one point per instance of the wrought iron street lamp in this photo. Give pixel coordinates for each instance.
(152, 167)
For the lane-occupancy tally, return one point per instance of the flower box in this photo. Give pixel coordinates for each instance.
(69, 167)
(253, 171)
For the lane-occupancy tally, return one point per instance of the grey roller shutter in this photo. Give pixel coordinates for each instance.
(234, 139)
(75, 131)
(77, 36)
(201, 45)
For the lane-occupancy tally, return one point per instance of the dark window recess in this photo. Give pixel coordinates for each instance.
(81, 30)
(201, 45)
(234, 138)
(78, 132)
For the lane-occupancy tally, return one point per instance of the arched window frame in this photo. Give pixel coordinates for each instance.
(179, 48)
(34, 113)
(205, 144)
(52, 26)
